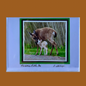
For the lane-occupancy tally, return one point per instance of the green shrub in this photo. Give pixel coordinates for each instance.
(28, 46)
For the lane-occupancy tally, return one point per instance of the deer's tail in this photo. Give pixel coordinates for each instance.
(54, 33)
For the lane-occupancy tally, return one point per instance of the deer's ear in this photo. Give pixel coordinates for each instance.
(34, 32)
(30, 33)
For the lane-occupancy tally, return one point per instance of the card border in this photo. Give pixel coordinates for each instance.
(43, 19)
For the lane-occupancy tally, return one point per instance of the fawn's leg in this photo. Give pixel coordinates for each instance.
(40, 51)
(44, 51)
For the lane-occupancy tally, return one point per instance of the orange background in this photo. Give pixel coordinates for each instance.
(39, 8)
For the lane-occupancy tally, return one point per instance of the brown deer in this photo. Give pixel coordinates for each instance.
(45, 33)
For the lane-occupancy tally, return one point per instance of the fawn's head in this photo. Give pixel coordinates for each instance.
(39, 41)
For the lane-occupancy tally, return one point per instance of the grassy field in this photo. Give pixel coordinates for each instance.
(32, 51)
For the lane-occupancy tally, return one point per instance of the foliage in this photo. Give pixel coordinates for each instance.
(32, 51)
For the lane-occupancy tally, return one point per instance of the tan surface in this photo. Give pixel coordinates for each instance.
(45, 8)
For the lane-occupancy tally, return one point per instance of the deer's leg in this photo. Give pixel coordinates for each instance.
(52, 49)
(53, 45)
(37, 49)
(56, 47)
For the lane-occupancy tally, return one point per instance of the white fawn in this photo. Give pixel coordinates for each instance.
(43, 45)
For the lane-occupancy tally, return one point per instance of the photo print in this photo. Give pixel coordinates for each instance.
(44, 40)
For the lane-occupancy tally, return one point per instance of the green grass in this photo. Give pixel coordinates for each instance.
(32, 51)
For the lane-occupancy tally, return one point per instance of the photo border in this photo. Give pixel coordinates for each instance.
(43, 19)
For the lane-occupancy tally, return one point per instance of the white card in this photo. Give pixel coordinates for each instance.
(43, 44)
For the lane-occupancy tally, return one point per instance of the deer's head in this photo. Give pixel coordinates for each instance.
(33, 36)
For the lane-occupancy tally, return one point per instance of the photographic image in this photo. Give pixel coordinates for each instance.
(44, 40)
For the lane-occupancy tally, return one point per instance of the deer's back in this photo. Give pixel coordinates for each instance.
(44, 33)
